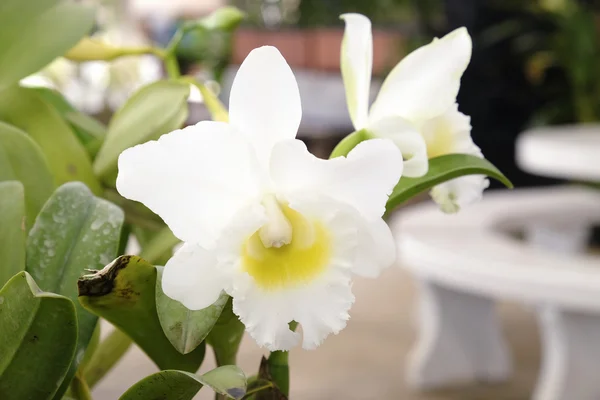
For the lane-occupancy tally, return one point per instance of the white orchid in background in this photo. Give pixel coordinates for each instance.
(416, 105)
(276, 228)
(94, 85)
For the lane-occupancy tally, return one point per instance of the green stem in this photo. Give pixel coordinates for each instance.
(106, 356)
(213, 104)
(172, 66)
(349, 142)
(256, 390)
(79, 389)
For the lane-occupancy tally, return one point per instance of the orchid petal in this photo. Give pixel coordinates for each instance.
(356, 65)
(425, 83)
(194, 179)
(265, 101)
(364, 179)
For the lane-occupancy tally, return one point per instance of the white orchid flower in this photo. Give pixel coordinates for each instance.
(451, 133)
(419, 95)
(261, 218)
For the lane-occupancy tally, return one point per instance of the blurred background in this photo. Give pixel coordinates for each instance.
(535, 65)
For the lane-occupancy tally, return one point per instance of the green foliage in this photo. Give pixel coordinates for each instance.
(89, 131)
(39, 333)
(185, 329)
(67, 158)
(22, 160)
(180, 385)
(154, 110)
(35, 32)
(74, 232)
(124, 294)
(442, 169)
(12, 229)
(109, 351)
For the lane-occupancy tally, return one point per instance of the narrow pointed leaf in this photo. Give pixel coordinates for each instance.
(33, 38)
(442, 169)
(123, 293)
(109, 352)
(22, 160)
(229, 381)
(185, 328)
(89, 131)
(39, 333)
(154, 110)
(67, 158)
(75, 231)
(12, 230)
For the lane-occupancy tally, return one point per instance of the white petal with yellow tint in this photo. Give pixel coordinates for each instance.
(265, 101)
(425, 83)
(364, 179)
(356, 65)
(457, 193)
(450, 133)
(307, 282)
(408, 139)
(195, 179)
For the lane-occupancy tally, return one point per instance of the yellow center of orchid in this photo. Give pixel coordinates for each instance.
(439, 139)
(288, 250)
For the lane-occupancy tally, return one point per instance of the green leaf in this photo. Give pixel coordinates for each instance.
(75, 231)
(109, 351)
(185, 328)
(12, 229)
(442, 169)
(154, 110)
(226, 336)
(67, 159)
(180, 385)
(33, 39)
(21, 159)
(39, 332)
(123, 293)
(89, 131)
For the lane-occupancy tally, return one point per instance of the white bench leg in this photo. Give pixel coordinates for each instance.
(571, 356)
(459, 340)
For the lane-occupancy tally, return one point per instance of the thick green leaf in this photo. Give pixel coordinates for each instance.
(226, 336)
(21, 159)
(12, 230)
(34, 38)
(89, 131)
(74, 232)
(442, 169)
(155, 109)
(180, 385)
(123, 293)
(67, 159)
(185, 328)
(39, 333)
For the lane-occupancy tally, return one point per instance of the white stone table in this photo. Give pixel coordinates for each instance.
(465, 262)
(568, 152)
